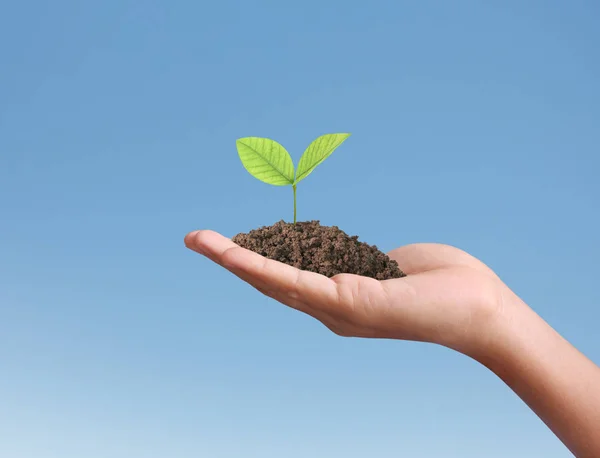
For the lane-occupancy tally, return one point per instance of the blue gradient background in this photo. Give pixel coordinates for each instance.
(474, 124)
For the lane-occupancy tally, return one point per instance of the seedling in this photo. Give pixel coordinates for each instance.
(306, 245)
(268, 161)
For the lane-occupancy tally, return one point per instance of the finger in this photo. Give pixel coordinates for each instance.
(202, 242)
(423, 257)
(296, 288)
(213, 245)
(289, 282)
(208, 243)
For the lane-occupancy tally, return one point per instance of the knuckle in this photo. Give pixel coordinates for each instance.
(200, 238)
(338, 330)
(262, 290)
(228, 255)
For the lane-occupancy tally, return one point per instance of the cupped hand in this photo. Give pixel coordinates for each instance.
(448, 297)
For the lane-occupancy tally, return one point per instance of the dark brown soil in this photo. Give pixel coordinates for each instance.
(323, 249)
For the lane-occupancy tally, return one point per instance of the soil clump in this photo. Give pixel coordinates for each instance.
(326, 250)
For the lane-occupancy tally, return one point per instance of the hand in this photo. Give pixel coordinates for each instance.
(449, 297)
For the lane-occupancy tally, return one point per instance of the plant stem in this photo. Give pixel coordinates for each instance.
(294, 187)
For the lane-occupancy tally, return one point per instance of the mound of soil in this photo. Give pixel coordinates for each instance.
(323, 249)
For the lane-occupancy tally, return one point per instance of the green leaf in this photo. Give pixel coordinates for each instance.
(319, 150)
(266, 160)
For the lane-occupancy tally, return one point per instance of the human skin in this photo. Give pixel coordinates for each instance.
(448, 298)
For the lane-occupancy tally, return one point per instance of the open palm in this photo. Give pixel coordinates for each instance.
(445, 298)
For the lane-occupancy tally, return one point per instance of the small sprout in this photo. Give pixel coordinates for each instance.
(268, 161)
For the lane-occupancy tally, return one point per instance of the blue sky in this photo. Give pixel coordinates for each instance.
(473, 123)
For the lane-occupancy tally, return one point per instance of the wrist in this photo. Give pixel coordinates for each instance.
(507, 334)
(550, 375)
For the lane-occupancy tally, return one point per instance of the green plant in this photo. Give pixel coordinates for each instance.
(268, 161)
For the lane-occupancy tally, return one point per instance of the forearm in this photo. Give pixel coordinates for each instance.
(558, 382)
